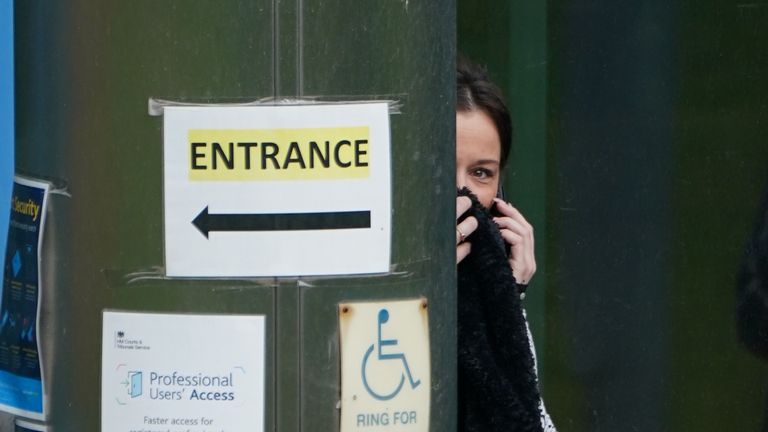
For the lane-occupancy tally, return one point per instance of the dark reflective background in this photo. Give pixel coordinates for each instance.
(641, 157)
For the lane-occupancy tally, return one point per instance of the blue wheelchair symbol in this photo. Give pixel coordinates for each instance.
(381, 355)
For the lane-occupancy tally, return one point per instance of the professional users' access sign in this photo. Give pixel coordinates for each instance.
(277, 190)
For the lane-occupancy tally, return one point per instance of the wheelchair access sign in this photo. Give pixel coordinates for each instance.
(385, 366)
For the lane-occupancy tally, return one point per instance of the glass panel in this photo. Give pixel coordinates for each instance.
(654, 169)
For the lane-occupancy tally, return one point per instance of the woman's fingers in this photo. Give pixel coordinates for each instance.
(521, 257)
(523, 230)
(507, 209)
(468, 225)
(512, 238)
(465, 228)
(462, 205)
(517, 232)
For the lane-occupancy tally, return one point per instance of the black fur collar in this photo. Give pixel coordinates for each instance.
(497, 383)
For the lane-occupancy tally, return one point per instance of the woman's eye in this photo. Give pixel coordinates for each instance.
(482, 173)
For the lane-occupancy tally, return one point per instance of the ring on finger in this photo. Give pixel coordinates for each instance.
(462, 237)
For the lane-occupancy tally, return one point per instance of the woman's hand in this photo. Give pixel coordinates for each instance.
(463, 229)
(518, 233)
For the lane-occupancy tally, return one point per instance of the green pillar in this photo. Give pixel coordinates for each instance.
(84, 74)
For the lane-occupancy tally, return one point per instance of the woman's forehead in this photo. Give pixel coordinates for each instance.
(476, 136)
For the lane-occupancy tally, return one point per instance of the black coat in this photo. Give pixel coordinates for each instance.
(497, 382)
(752, 289)
(752, 302)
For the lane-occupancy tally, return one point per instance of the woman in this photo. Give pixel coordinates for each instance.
(498, 389)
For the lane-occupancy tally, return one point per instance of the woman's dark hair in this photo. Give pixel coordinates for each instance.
(474, 91)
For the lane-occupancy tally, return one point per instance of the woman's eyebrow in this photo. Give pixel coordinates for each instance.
(487, 161)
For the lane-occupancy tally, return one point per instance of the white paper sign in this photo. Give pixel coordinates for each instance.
(277, 191)
(182, 373)
(385, 366)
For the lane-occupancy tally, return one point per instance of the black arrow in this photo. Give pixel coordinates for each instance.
(206, 222)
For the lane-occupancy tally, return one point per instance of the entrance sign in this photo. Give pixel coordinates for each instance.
(277, 190)
(192, 373)
(385, 366)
